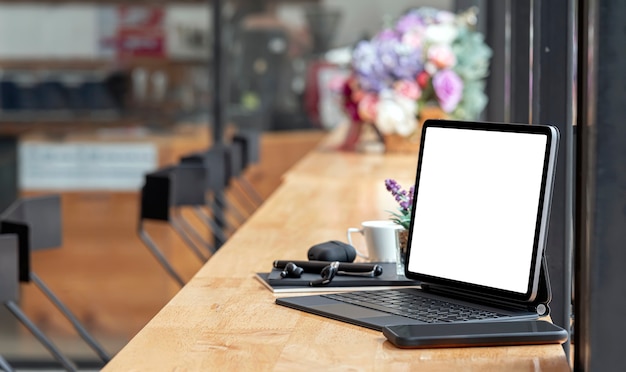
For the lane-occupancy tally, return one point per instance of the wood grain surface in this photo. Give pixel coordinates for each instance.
(223, 319)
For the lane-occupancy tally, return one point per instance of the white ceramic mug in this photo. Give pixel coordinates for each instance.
(381, 240)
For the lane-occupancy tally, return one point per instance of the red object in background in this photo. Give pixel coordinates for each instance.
(140, 32)
(312, 91)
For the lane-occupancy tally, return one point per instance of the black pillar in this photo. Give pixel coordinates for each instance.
(600, 295)
(217, 73)
(8, 171)
(552, 42)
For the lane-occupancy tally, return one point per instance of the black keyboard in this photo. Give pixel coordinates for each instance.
(414, 306)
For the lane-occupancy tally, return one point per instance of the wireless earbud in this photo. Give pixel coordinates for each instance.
(291, 270)
(328, 273)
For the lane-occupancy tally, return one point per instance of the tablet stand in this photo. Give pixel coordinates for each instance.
(540, 305)
(544, 291)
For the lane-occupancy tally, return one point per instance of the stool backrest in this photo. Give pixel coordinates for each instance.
(156, 195)
(9, 285)
(188, 181)
(36, 221)
(250, 140)
(42, 214)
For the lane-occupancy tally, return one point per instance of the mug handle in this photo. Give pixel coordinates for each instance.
(349, 234)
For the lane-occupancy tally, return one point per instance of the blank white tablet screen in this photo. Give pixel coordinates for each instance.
(477, 206)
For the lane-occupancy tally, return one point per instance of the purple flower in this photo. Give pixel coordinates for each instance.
(373, 82)
(405, 201)
(365, 58)
(448, 87)
(386, 35)
(408, 22)
(404, 198)
(368, 67)
(427, 14)
(400, 60)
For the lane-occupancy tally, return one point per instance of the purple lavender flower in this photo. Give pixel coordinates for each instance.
(392, 186)
(448, 87)
(404, 199)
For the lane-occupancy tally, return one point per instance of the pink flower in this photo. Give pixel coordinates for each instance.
(413, 38)
(441, 56)
(368, 107)
(336, 83)
(448, 87)
(408, 89)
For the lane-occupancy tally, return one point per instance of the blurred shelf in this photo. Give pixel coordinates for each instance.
(114, 2)
(62, 121)
(94, 64)
(56, 116)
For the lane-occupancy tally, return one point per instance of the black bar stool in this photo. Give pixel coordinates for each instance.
(37, 221)
(249, 142)
(235, 166)
(12, 258)
(214, 160)
(226, 163)
(164, 192)
(189, 191)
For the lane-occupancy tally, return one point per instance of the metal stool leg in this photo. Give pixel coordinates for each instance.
(220, 219)
(224, 204)
(184, 225)
(5, 365)
(244, 198)
(217, 231)
(159, 255)
(250, 190)
(37, 224)
(68, 314)
(67, 364)
(188, 241)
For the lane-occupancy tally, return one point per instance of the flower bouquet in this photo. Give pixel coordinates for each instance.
(429, 64)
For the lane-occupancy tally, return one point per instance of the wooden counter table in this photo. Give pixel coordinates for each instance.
(224, 319)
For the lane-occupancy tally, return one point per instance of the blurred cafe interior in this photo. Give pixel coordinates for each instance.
(101, 100)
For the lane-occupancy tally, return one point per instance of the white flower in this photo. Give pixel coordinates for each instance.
(441, 33)
(396, 114)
